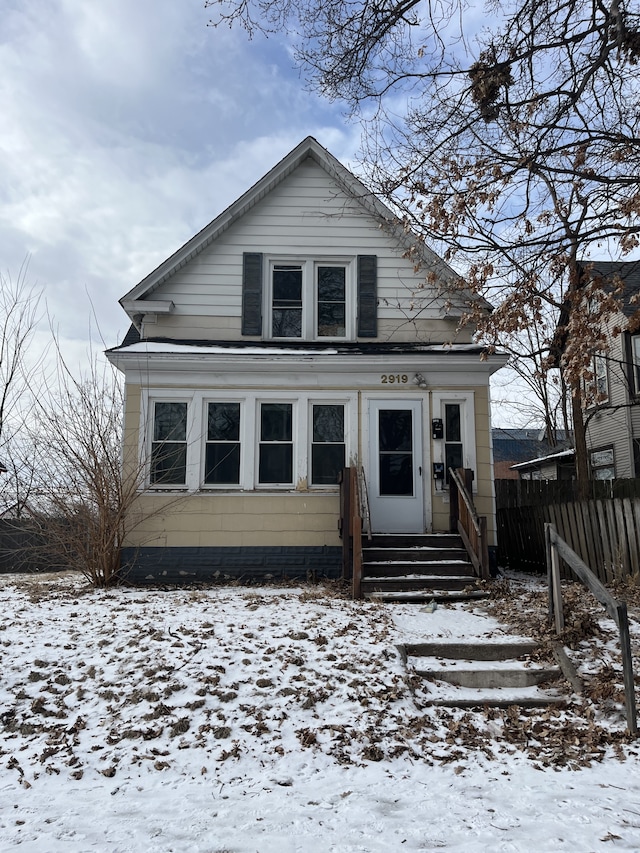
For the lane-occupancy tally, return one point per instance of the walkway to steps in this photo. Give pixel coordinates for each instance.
(417, 567)
(459, 658)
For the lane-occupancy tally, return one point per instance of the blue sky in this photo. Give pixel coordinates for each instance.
(127, 126)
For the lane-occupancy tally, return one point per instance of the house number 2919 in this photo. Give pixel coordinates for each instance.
(392, 378)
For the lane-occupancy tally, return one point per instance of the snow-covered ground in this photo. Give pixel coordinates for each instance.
(279, 720)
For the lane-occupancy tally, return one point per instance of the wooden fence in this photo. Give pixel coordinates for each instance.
(604, 531)
(26, 547)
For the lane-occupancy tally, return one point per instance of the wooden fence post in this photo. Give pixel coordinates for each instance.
(627, 669)
(547, 546)
(553, 579)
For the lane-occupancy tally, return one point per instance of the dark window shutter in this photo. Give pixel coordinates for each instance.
(367, 296)
(252, 293)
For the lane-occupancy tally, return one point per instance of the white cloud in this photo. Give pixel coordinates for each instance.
(126, 128)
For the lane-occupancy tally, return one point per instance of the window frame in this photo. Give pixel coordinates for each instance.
(603, 466)
(466, 401)
(634, 352)
(600, 371)
(310, 266)
(197, 414)
(158, 485)
(259, 442)
(206, 403)
(312, 402)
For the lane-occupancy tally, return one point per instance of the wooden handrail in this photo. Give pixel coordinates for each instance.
(351, 529)
(364, 502)
(465, 520)
(356, 534)
(556, 548)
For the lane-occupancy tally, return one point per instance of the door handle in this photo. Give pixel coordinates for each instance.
(420, 470)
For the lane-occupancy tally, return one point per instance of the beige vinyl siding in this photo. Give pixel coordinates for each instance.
(208, 520)
(307, 215)
(222, 328)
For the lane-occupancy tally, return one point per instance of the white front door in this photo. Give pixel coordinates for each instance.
(396, 491)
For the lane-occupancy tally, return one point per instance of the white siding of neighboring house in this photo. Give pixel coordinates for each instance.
(610, 427)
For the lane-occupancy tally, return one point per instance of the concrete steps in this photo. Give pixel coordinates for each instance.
(417, 568)
(478, 673)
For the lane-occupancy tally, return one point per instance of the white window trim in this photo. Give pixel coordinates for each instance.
(309, 265)
(197, 407)
(311, 402)
(604, 466)
(244, 440)
(600, 370)
(296, 441)
(147, 414)
(466, 401)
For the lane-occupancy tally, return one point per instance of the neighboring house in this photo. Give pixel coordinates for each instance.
(301, 331)
(554, 466)
(612, 415)
(519, 445)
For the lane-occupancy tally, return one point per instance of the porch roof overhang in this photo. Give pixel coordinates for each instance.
(471, 363)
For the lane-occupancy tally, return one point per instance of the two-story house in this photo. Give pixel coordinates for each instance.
(302, 330)
(612, 395)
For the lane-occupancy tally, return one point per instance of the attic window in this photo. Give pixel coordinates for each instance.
(286, 314)
(332, 301)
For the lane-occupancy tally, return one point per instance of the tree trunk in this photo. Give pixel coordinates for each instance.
(580, 442)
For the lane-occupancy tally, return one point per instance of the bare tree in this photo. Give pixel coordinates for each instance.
(21, 373)
(517, 145)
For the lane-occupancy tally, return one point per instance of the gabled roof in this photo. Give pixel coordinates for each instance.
(308, 148)
(628, 272)
(524, 445)
(607, 271)
(560, 456)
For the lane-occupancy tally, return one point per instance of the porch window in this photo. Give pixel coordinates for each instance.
(327, 444)
(597, 387)
(603, 464)
(169, 446)
(453, 457)
(275, 452)
(222, 454)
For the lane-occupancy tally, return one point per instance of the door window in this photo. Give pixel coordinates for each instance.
(395, 451)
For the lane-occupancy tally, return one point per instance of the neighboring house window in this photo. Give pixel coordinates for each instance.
(453, 456)
(635, 355)
(275, 449)
(327, 444)
(636, 457)
(169, 446)
(602, 464)
(222, 454)
(597, 388)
